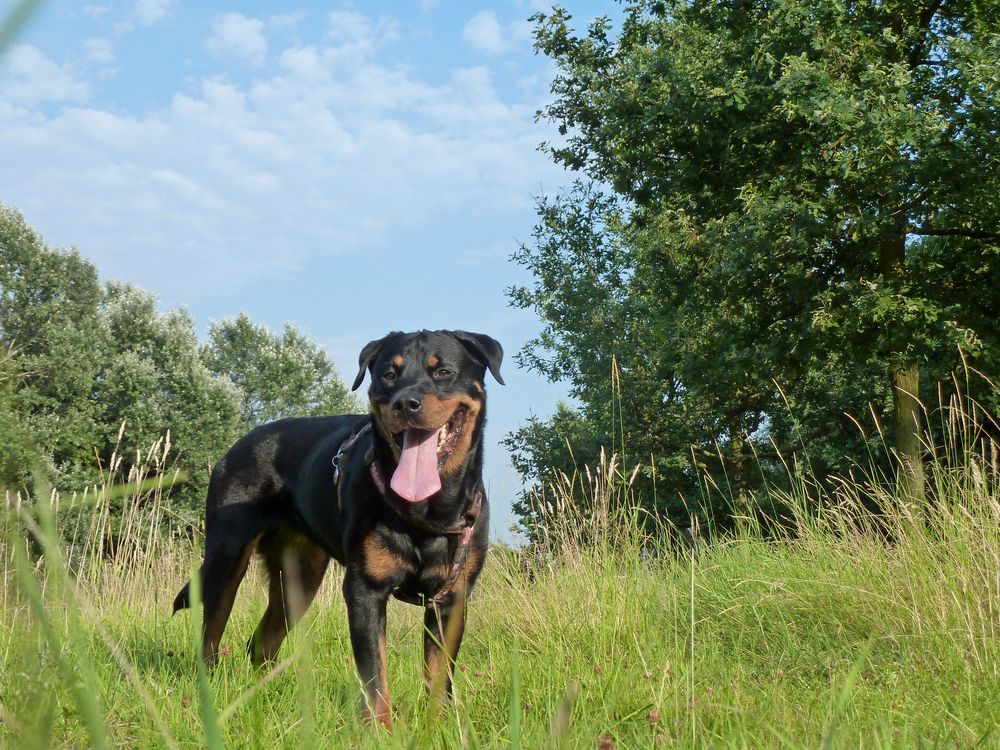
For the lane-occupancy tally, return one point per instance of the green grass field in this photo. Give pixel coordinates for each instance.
(831, 639)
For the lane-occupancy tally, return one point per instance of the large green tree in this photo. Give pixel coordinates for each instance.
(17, 452)
(276, 375)
(152, 380)
(78, 359)
(810, 194)
(51, 333)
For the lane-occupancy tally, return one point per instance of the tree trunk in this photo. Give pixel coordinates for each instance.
(905, 382)
(904, 379)
(738, 479)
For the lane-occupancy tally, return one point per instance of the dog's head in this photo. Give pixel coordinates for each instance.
(427, 398)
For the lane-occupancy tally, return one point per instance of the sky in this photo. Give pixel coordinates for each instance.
(351, 168)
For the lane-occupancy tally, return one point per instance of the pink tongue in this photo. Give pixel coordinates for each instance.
(416, 476)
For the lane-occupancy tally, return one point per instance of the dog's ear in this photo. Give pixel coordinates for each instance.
(486, 350)
(366, 357)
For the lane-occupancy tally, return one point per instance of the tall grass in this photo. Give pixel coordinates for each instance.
(857, 630)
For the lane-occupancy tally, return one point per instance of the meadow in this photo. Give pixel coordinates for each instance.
(848, 632)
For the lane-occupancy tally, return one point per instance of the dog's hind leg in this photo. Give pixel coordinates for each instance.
(295, 569)
(230, 541)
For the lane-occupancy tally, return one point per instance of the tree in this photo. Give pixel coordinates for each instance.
(809, 191)
(276, 376)
(50, 330)
(597, 312)
(152, 379)
(79, 359)
(19, 453)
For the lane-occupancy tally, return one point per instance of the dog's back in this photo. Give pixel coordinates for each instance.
(261, 466)
(261, 471)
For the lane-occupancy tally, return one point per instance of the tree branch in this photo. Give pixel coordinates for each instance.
(697, 452)
(968, 233)
(924, 24)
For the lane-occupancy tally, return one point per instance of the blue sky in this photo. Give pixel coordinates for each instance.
(352, 168)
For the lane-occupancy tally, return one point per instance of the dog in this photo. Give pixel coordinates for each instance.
(395, 496)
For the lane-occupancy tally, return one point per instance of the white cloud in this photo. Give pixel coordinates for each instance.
(286, 21)
(27, 76)
(150, 12)
(234, 35)
(326, 150)
(99, 50)
(346, 25)
(96, 11)
(355, 35)
(485, 33)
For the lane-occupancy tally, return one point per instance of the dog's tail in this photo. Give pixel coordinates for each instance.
(183, 598)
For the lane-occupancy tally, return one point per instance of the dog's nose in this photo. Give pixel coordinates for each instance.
(407, 404)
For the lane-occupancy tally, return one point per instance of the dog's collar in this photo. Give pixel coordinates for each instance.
(462, 529)
(344, 447)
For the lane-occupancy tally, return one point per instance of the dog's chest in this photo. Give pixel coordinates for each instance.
(399, 561)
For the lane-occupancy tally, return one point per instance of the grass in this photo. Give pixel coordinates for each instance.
(833, 638)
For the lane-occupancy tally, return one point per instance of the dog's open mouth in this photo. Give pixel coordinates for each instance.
(422, 452)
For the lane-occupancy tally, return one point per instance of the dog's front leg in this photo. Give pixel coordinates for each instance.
(444, 626)
(366, 616)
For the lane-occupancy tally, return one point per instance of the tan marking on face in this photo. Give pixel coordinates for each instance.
(433, 361)
(478, 387)
(385, 419)
(380, 562)
(435, 413)
(442, 410)
(398, 360)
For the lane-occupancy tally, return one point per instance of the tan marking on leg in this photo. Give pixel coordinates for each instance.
(473, 564)
(432, 656)
(432, 665)
(378, 705)
(271, 631)
(295, 566)
(451, 631)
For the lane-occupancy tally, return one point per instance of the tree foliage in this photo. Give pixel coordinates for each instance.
(79, 358)
(276, 375)
(800, 215)
(50, 330)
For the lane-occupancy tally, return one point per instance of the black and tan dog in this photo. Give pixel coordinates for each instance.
(395, 496)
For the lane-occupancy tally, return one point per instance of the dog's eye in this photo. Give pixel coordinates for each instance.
(442, 372)
(389, 376)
